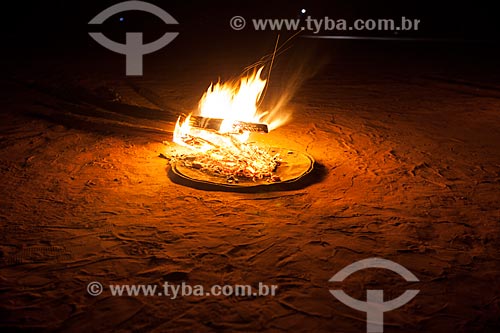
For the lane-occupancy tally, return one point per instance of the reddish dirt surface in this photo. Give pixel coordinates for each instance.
(411, 164)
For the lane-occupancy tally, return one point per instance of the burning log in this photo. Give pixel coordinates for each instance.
(236, 126)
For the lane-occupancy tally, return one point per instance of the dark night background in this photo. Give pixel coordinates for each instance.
(45, 25)
(456, 36)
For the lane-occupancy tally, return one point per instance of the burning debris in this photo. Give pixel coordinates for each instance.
(233, 161)
(217, 133)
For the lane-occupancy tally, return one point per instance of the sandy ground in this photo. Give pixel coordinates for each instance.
(412, 174)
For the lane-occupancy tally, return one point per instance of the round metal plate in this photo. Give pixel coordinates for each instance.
(293, 168)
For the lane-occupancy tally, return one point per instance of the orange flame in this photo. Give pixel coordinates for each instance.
(232, 102)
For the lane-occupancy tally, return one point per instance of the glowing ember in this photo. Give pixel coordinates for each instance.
(225, 151)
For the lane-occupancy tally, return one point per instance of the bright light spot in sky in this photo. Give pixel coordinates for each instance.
(121, 19)
(303, 11)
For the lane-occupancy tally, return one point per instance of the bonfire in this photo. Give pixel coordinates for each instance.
(218, 133)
